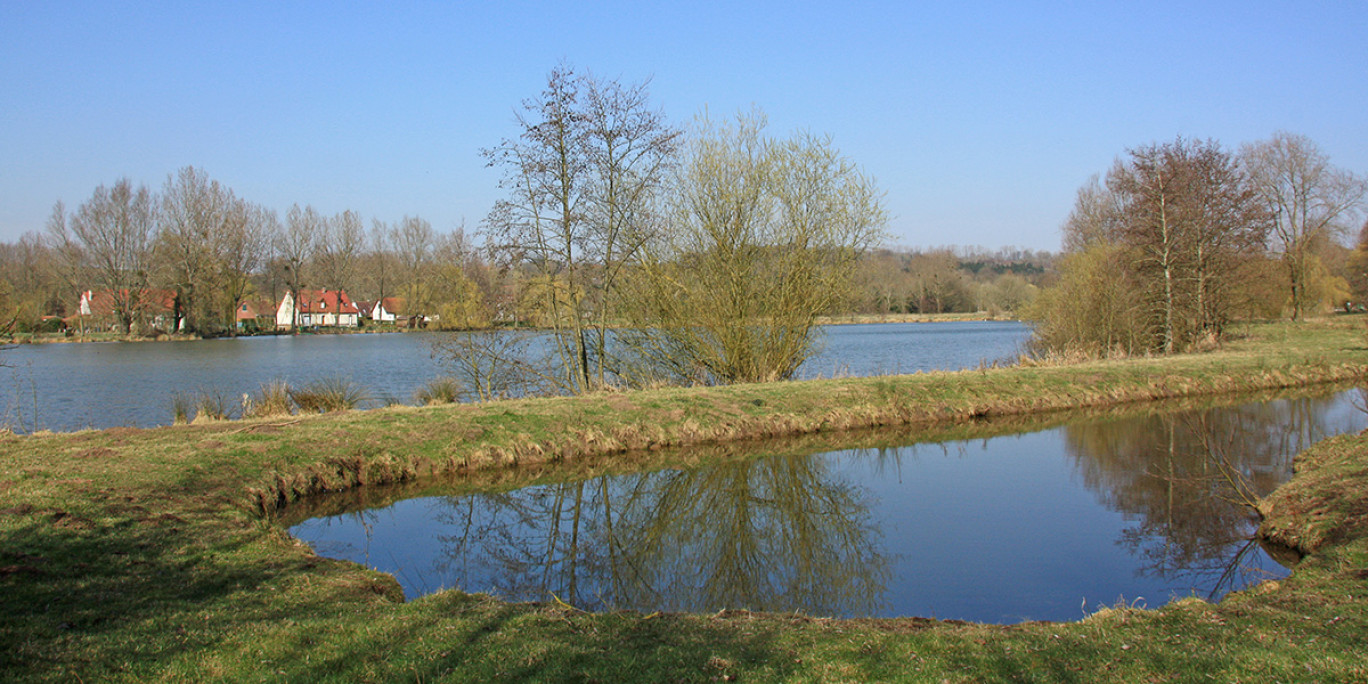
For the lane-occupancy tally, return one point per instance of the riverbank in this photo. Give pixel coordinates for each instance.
(154, 554)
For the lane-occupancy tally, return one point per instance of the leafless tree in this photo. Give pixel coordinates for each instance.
(196, 213)
(1309, 198)
(413, 242)
(337, 252)
(582, 178)
(114, 230)
(1155, 254)
(295, 245)
(240, 251)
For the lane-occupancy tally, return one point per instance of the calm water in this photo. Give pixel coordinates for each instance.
(1041, 525)
(73, 386)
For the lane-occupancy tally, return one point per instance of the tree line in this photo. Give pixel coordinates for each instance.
(212, 251)
(651, 252)
(1184, 237)
(705, 254)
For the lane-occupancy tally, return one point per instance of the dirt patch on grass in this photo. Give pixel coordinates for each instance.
(68, 521)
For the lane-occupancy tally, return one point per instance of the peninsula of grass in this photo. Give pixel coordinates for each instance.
(159, 555)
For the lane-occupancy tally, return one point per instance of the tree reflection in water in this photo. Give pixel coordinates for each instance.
(761, 534)
(1188, 482)
(983, 521)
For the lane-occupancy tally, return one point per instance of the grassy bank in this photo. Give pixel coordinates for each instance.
(157, 555)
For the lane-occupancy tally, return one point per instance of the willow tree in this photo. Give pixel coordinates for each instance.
(763, 237)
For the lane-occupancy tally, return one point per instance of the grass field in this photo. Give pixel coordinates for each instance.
(158, 555)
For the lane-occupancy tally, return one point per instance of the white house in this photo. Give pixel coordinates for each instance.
(325, 308)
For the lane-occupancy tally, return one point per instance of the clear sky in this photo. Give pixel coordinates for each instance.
(979, 120)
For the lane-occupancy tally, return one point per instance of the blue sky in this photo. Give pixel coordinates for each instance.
(979, 120)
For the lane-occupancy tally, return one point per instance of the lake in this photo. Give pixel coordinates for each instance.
(1022, 523)
(65, 387)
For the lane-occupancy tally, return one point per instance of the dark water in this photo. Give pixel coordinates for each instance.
(1041, 524)
(73, 386)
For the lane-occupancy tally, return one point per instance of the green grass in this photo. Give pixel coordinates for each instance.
(160, 555)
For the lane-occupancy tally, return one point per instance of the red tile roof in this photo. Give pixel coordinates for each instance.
(326, 301)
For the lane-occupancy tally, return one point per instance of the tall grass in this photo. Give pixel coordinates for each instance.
(272, 399)
(211, 406)
(442, 390)
(182, 406)
(329, 394)
(199, 407)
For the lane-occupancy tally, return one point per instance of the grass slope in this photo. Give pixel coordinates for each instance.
(156, 555)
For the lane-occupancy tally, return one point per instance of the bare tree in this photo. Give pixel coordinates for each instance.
(337, 253)
(582, 179)
(1094, 216)
(1152, 269)
(240, 250)
(195, 215)
(630, 149)
(1309, 199)
(546, 174)
(295, 245)
(72, 263)
(379, 260)
(113, 230)
(414, 243)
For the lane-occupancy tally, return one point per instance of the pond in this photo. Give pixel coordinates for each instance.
(65, 387)
(990, 522)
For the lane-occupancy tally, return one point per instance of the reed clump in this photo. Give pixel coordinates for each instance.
(272, 400)
(442, 390)
(182, 408)
(328, 395)
(211, 406)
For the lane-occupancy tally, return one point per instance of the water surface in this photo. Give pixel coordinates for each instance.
(98, 385)
(1044, 524)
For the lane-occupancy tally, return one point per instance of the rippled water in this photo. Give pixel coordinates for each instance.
(1038, 524)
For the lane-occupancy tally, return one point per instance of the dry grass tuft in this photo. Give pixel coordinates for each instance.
(328, 395)
(272, 400)
(443, 390)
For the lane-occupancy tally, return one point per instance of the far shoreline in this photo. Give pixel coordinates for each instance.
(19, 339)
